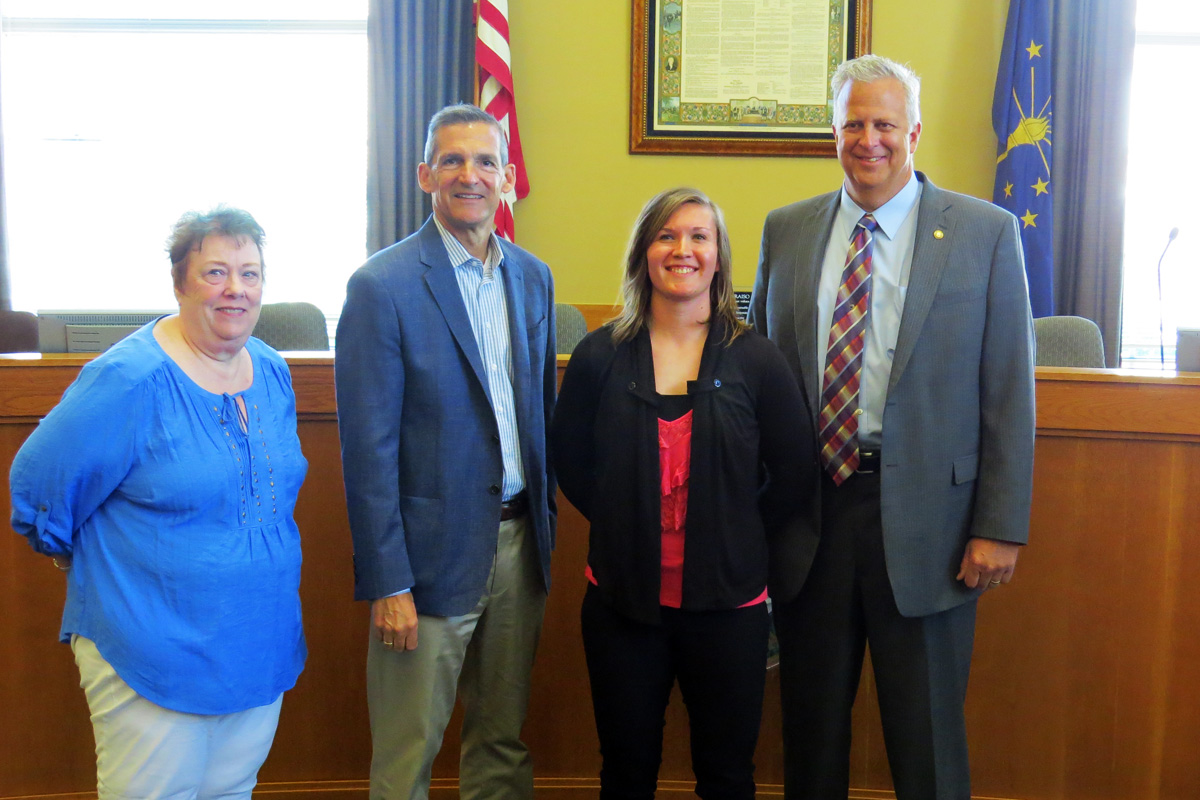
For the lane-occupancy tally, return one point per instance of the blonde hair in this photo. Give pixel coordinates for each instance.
(635, 285)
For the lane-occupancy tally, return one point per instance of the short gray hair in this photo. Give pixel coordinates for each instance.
(462, 114)
(188, 236)
(870, 68)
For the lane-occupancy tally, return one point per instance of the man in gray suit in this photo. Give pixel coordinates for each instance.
(445, 375)
(903, 309)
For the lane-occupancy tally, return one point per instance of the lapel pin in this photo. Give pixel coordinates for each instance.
(939, 234)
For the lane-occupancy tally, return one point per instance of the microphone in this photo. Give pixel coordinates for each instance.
(1162, 351)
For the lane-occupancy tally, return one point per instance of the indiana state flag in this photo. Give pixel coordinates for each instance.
(1021, 111)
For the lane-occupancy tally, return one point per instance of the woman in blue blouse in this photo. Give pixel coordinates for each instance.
(163, 484)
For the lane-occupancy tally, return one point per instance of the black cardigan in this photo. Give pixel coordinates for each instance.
(753, 457)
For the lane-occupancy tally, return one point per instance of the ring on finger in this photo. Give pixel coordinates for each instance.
(993, 583)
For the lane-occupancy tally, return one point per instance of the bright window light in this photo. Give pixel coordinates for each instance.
(120, 116)
(1159, 197)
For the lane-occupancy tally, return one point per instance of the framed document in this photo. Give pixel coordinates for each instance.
(740, 77)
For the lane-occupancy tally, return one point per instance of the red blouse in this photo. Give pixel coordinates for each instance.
(674, 468)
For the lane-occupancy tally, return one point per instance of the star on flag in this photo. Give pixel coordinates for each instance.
(1022, 113)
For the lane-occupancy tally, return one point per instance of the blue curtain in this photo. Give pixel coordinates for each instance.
(422, 57)
(1092, 75)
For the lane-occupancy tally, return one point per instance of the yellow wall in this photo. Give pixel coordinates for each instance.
(571, 68)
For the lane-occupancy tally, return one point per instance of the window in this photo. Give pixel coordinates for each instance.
(1161, 190)
(121, 115)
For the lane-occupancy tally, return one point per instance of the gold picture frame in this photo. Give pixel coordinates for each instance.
(777, 104)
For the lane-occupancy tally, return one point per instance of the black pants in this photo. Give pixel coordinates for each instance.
(921, 664)
(719, 658)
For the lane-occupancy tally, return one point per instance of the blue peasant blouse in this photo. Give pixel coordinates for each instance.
(185, 554)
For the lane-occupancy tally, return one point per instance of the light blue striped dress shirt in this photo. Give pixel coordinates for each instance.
(891, 263)
(483, 293)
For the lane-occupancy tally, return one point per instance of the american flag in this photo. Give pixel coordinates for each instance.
(496, 97)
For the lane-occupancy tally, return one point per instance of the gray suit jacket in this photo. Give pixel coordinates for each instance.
(420, 443)
(958, 423)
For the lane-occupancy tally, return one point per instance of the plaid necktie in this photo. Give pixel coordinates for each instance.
(843, 361)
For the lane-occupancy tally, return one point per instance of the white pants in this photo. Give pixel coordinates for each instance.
(145, 751)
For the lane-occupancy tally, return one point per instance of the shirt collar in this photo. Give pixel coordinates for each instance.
(458, 254)
(890, 215)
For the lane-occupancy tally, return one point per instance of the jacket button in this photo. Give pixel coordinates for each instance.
(717, 382)
(494, 489)
(632, 385)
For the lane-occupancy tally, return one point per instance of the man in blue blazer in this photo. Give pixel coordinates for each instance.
(445, 372)
(903, 310)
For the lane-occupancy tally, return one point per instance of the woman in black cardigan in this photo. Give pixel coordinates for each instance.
(683, 438)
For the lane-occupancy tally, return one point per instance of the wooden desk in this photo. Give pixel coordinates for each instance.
(1084, 682)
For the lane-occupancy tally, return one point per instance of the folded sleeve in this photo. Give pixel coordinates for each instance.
(76, 457)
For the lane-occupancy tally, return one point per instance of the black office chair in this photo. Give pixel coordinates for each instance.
(18, 332)
(570, 327)
(292, 326)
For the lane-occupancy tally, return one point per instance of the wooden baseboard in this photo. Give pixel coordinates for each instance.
(543, 789)
(315, 790)
(445, 788)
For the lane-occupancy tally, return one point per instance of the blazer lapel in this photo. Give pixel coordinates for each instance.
(931, 253)
(809, 261)
(444, 287)
(513, 275)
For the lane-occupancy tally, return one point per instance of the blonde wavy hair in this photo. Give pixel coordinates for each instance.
(635, 285)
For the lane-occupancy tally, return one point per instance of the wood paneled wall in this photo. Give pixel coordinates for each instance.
(1084, 683)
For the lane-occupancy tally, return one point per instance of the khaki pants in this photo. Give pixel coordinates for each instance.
(487, 655)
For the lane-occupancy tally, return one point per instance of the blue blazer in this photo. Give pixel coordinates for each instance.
(958, 422)
(420, 444)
